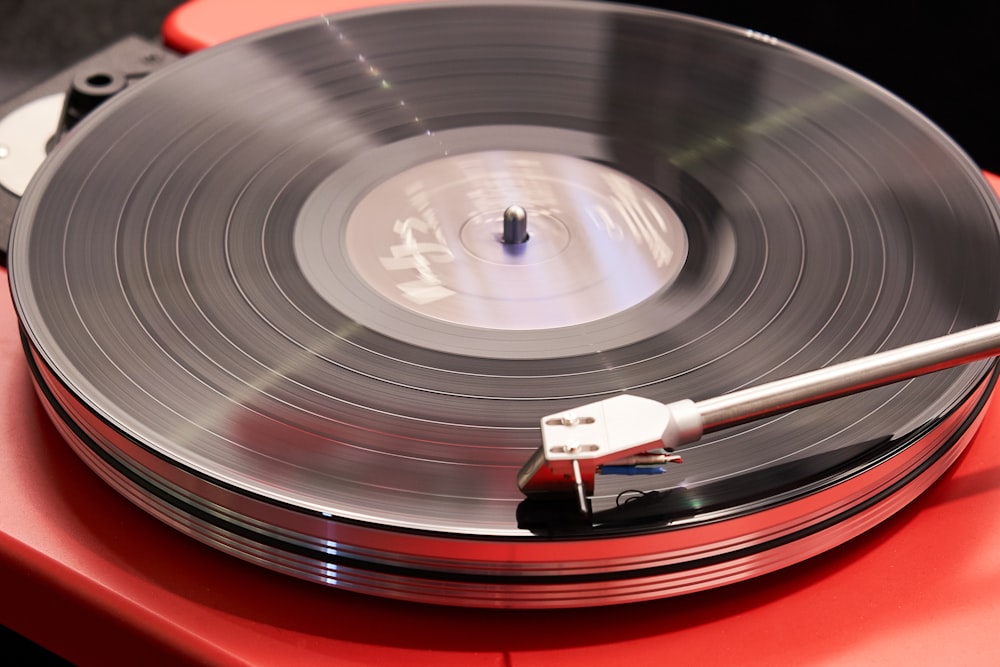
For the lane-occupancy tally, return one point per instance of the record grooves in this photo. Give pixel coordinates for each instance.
(266, 296)
(951, 447)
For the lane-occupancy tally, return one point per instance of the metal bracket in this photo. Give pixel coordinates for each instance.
(621, 435)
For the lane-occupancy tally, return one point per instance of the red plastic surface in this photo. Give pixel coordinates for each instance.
(88, 575)
(201, 23)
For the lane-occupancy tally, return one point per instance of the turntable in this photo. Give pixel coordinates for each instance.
(323, 341)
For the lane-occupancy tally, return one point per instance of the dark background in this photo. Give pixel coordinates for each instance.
(940, 57)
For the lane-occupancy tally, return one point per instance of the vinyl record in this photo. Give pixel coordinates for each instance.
(266, 294)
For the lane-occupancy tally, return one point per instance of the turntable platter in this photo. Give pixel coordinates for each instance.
(264, 297)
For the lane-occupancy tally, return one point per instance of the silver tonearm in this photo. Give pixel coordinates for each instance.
(629, 434)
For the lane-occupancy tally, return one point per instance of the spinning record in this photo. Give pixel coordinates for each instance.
(306, 295)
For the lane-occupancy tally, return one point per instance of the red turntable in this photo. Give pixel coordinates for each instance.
(95, 578)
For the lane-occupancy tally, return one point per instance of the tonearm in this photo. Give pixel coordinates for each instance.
(629, 434)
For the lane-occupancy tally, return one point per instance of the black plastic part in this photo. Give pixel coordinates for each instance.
(95, 78)
(88, 90)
